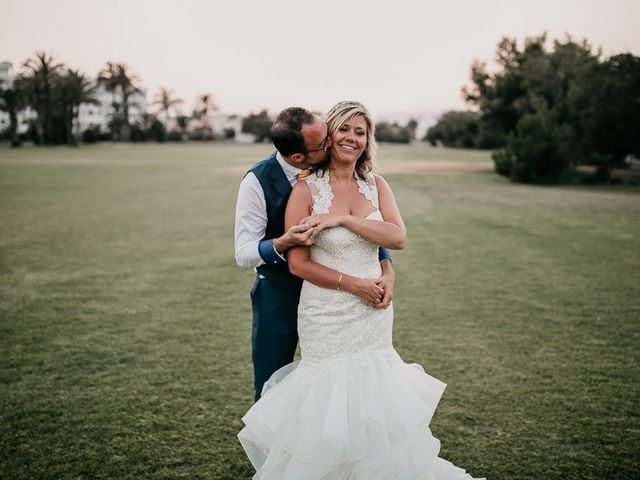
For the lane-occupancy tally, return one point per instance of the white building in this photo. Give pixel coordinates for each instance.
(6, 81)
(99, 116)
(221, 122)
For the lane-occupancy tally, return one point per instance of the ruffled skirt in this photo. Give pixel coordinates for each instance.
(363, 416)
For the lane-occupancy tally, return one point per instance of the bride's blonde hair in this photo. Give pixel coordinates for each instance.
(341, 113)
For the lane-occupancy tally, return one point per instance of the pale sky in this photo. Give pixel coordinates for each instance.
(399, 57)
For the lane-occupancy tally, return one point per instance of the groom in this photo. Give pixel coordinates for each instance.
(302, 140)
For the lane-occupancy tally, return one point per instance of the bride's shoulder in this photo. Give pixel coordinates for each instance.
(377, 179)
(301, 189)
(381, 184)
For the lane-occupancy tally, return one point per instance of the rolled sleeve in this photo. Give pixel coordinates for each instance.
(268, 252)
(383, 254)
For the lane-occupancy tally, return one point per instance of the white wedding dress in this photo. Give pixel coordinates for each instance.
(350, 409)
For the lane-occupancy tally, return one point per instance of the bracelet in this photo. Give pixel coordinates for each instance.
(339, 281)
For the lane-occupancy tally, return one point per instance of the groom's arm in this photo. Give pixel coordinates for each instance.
(251, 250)
(251, 222)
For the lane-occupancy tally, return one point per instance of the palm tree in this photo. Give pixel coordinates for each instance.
(108, 77)
(12, 100)
(38, 78)
(183, 123)
(128, 82)
(166, 103)
(205, 103)
(75, 88)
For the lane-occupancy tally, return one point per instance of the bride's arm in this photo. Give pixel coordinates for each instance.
(389, 233)
(301, 265)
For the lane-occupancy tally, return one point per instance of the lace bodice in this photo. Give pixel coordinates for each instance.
(334, 323)
(339, 248)
(322, 195)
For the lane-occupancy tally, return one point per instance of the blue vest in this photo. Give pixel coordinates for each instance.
(276, 190)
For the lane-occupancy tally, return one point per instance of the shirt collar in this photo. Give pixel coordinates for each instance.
(289, 170)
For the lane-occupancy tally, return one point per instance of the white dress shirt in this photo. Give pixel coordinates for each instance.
(251, 216)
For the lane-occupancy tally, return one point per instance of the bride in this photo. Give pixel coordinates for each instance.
(350, 409)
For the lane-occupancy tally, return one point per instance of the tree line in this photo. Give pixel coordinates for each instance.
(545, 111)
(54, 93)
(259, 125)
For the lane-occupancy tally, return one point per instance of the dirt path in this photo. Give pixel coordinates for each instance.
(442, 166)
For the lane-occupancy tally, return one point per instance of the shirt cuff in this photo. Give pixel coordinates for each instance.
(267, 251)
(383, 254)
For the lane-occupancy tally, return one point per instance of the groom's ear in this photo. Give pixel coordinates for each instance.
(297, 157)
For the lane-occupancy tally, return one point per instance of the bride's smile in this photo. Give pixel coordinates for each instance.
(349, 140)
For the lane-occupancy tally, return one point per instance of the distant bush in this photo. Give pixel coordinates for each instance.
(393, 133)
(201, 134)
(137, 134)
(258, 124)
(175, 136)
(91, 135)
(458, 129)
(156, 131)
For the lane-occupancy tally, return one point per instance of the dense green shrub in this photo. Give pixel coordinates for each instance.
(551, 109)
(455, 129)
(91, 135)
(175, 136)
(393, 133)
(258, 124)
(157, 131)
(503, 162)
(137, 134)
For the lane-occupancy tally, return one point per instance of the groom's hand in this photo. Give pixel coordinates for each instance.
(301, 234)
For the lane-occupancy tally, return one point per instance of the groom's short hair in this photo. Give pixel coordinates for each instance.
(286, 131)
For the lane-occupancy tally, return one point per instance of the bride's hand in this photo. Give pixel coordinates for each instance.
(368, 290)
(386, 282)
(320, 221)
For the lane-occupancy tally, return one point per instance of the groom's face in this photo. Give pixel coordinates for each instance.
(316, 141)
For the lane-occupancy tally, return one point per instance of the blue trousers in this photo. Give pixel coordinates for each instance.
(274, 335)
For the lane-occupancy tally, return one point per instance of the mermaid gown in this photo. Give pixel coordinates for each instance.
(350, 409)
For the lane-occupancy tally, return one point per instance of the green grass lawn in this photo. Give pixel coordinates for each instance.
(125, 323)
